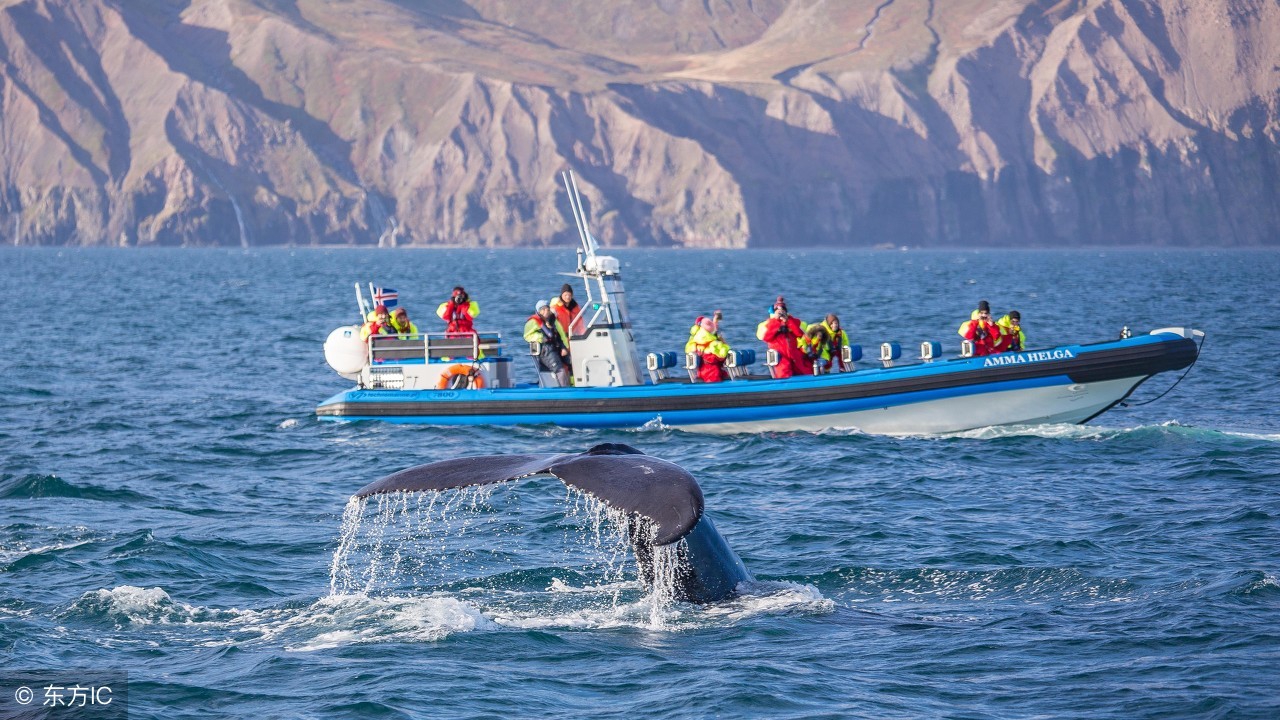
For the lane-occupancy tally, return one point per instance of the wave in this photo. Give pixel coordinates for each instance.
(328, 622)
(31, 487)
(1021, 583)
(613, 609)
(1259, 585)
(129, 605)
(16, 554)
(357, 619)
(1066, 431)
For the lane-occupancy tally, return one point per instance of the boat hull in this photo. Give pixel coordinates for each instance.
(1068, 384)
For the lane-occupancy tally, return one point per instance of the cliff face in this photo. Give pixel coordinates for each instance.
(724, 124)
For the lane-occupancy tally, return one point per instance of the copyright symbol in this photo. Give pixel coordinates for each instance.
(23, 695)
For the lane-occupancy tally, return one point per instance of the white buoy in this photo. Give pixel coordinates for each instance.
(345, 352)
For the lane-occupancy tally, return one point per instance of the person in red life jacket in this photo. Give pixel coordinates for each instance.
(706, 343)
(562, 318)
(568, 310)
(377, 322)
(782, 333)
(553, 354)
(981, 331)
(459, 312)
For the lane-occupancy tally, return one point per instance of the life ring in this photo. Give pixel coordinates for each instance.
(461, 377)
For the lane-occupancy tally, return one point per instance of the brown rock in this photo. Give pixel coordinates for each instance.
(729, 124)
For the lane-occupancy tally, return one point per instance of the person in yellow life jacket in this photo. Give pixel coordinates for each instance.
(837, 338)
(402, 325)
(553, 354)
(705, 342)
(459, 312)
(1013, 339)
(377, 322)
(813, 347)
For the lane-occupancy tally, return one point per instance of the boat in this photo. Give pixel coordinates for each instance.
(469, 379)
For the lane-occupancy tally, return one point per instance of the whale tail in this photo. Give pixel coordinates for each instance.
(661, 493)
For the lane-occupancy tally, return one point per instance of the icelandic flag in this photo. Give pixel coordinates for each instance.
(385, 296)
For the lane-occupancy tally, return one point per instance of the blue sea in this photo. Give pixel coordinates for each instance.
(171, 509)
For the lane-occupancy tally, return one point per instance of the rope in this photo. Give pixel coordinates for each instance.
(1175, 384)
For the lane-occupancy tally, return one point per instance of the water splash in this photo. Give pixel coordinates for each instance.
(404, 541)
(612, 534)
(404, 537)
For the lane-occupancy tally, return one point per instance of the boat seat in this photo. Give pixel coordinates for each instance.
(739, 363)
(851, 354)
(659, 364)
(889, 352)
(546, 378)
(692, 361)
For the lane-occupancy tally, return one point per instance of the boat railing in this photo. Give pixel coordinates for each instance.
(601, 309)
(577, 327)
(433, 347)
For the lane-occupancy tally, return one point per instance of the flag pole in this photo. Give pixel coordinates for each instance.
(364, 309)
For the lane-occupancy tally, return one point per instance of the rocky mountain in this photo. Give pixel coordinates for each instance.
(707, 123)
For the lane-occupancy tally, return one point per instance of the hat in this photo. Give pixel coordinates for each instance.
(380, 309)
(1015, 315)
(984, 305)
(566, 288)
(541, 304)
(707, 324)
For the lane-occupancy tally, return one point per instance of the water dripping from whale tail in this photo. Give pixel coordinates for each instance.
(663, 502)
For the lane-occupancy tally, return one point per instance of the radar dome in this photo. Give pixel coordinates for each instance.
(345, 352)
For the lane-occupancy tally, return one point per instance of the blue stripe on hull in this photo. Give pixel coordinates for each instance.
(749, 414)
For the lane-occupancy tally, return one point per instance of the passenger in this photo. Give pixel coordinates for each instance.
(781, 332)
(980, 331)
(813, 344)
(402, 325)
(562, 317)
(1014, 340)
(706, 343)
(837, 338)
(553, 355)
(459, 312)
(377, 322)
(568, 310)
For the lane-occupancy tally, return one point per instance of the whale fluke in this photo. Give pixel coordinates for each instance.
(618, 475)
(621, 477)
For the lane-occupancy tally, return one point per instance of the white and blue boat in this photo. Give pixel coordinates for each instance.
(437, 379)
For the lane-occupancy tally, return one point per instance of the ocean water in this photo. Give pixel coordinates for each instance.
(171, 508)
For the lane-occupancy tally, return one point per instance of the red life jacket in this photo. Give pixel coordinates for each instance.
(458, 317)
